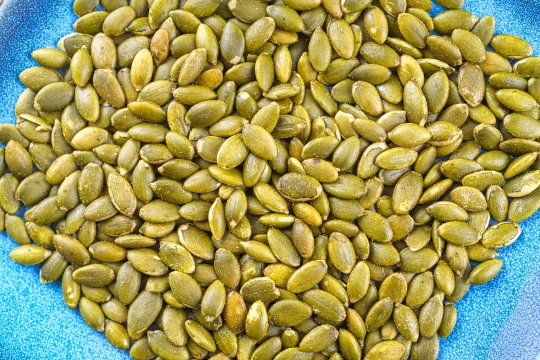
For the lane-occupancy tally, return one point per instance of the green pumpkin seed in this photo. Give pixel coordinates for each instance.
(413, 29)
(485, 271)
(319, 338)
(386, 349)
(108, 87)
(71, 249)
(324, 305)
(92, 314)
(396, 158)
(418, 261)
(516, 100)
(213, 300)
(142, 312)
(378, 314)
(52, 268)
(444, 50)
(501, 235)
(367, 97)
(36, 78)
(497, 202)
(121, 194)
(29, 254)
(257, 321)
(420, 289)
(94, 275)
(406, 322)
(511, 46)
(430, 317)
(376, 24)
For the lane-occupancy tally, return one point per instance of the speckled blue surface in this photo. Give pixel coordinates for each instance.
(500, 320)
(35, 322)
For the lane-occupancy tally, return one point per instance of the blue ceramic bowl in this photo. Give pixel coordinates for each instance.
(500, 320)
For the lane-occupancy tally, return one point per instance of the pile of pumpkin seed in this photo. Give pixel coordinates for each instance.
(297, 179)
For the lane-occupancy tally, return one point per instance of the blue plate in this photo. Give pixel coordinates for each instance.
(500, 320)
